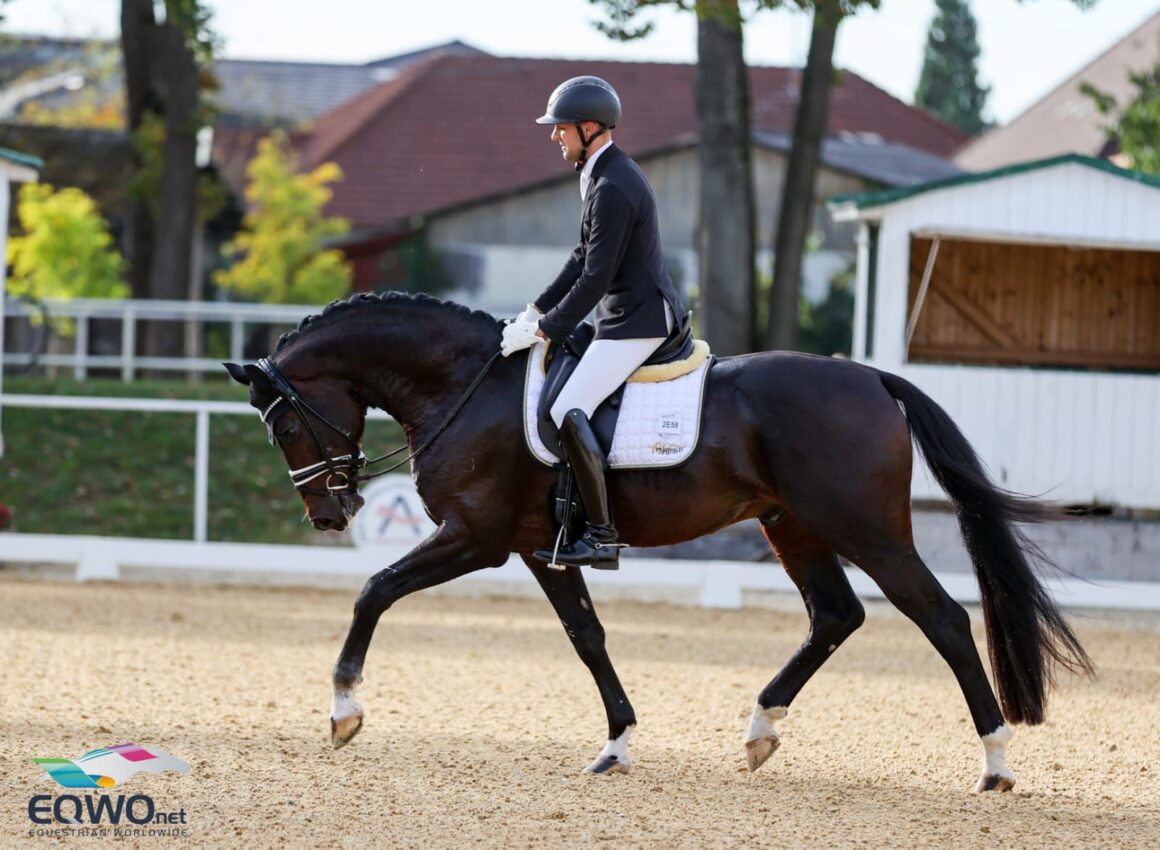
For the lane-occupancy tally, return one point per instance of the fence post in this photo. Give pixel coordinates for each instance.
(236, 340)
(80, 370)
(128, 345)
(201, 478)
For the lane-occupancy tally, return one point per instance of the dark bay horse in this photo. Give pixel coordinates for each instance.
(817, 449)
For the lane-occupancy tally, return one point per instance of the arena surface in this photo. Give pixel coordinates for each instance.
(479, 719)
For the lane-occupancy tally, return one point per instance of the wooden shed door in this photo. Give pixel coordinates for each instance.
(1045, 305)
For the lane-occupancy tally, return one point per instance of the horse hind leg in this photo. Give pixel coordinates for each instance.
(835, 613)
(914, 591)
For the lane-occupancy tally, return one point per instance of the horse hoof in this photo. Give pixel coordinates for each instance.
(994, 782)
(759, 750)
(343, 729)
(609, 764)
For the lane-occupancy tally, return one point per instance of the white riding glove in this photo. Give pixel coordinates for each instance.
(530, 314)
(517, 336)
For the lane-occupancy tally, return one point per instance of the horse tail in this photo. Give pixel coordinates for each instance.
(1026, 632)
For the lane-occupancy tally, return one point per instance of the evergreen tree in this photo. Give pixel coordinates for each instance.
(949, 86)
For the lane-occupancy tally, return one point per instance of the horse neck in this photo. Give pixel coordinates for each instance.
(415, 368)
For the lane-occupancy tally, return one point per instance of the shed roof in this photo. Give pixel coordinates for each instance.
(847, 205)
(869, 156)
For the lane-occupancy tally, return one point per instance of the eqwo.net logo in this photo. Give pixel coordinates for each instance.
(110, 766)
(99, 770)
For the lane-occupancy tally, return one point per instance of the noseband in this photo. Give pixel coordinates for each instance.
(347, 468)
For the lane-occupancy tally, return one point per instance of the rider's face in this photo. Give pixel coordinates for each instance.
(566, 136)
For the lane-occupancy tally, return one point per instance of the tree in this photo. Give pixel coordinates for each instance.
(728, 291)
(65, 250)
(949, 87)
(164, 85)
(1136, 125)
(801, 171)
(283, 235)
(725, 228)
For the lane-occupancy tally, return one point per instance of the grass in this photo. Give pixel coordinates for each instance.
(132, 474)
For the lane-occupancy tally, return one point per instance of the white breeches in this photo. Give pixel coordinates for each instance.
(605, 366)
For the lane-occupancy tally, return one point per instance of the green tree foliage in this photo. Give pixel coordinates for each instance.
(65, 250)
(1136, 125)
(949, 86)
(827, 327)
(281, 244)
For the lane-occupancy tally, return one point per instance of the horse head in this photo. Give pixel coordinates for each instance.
(318, 424)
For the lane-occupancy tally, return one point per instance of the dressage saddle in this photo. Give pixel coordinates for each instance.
(561, 360)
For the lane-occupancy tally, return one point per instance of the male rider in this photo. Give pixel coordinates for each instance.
(618, 269)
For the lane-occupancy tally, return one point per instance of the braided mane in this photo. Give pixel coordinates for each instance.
(365, 300)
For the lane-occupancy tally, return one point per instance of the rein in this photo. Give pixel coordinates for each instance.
(347, 467)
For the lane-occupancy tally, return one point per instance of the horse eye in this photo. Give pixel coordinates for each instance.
(287, 435)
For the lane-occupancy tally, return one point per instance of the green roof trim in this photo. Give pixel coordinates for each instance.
(865, 200)
(22, 158)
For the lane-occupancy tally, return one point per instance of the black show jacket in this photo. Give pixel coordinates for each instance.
(617, 267)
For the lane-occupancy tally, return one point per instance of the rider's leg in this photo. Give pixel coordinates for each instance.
(604, 367)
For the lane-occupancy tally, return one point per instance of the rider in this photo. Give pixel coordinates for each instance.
(619, 270)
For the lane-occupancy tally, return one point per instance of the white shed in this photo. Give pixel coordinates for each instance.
(14, 168)
(1026, 301)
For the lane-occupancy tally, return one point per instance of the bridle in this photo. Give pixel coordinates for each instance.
(344, 472)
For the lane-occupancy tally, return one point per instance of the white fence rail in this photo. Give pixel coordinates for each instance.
(187, 314)
(200, 409)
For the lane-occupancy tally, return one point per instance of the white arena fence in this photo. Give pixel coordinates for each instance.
(129, 312)
(719, 584)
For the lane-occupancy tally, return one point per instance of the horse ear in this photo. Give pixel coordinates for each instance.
(237, 373)
(258, 379)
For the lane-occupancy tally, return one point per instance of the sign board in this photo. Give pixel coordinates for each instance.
(393, 515)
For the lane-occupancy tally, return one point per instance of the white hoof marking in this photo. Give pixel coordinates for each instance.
(761, 723)
(762, 739)
(996, 775)
(614, 757)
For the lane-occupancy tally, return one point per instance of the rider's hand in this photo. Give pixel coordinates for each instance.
(530, 314)
(519, 335)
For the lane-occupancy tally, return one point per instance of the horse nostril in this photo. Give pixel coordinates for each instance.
(322, 523)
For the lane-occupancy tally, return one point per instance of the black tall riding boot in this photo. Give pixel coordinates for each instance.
(598, 547)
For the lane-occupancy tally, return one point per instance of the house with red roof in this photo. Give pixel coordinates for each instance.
(448, 178)
(444, 161)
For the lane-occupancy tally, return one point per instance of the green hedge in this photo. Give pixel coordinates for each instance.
(132, 474)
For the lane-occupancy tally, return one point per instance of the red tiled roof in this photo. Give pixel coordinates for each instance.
(456, 128)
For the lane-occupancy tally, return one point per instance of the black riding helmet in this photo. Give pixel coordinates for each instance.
(583, 99)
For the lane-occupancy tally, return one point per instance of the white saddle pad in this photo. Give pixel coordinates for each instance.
(659, 424)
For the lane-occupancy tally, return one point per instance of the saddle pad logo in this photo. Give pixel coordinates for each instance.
(110, 766)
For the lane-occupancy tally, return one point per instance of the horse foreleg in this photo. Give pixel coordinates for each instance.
(568, 593)
(835, 613)
(445, 555)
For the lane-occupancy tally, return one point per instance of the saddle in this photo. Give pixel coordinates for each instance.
(560, 362)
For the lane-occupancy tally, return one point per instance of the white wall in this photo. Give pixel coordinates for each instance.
(1075, 437)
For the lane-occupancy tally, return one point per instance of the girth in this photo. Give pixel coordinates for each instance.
(562, 359)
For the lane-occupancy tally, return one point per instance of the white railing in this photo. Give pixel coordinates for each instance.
(200, 409)
(82, 311)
